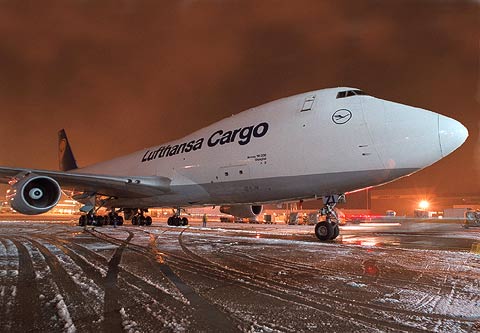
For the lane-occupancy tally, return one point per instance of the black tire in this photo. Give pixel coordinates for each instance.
(178, 221)
(141, 220)
(113, 219)
(99, 220)
(134, 220)
(148, 220)
(170, 220)
(82, 220)
(184, 221)
(336, 232)
(120, 220)
(324, 231)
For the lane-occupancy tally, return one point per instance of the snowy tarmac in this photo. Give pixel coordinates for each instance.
(383, 277)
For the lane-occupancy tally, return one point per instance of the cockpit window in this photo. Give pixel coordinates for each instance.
(348, 93)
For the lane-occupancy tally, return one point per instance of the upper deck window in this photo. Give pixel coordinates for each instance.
(348, 93)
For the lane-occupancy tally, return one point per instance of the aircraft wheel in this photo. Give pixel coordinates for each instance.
(82, 220)
(90, 220)
(141, 220)
(120, 220)
(324, 231)
(134, 220)
(170, 220)
(148, 220)
(336, 232)
(99, 220)
(184, 221)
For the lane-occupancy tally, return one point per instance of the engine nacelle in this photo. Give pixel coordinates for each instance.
(242, 211)
(34, 194)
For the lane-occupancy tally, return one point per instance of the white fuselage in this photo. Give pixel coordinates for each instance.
(299, 147)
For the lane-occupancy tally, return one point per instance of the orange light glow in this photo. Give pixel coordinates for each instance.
(424, 204)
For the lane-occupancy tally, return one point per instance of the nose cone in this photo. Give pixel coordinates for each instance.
(452, 134)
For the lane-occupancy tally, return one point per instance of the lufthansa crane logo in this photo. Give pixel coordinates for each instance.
(341, 116)
(62, 146)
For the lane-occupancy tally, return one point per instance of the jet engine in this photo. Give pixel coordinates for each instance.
(34, 194)
(242, 211)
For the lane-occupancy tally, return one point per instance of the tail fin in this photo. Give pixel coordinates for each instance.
(66, 161)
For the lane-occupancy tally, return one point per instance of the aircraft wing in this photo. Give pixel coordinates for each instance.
(118, 186)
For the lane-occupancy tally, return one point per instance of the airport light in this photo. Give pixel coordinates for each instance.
(424, 204)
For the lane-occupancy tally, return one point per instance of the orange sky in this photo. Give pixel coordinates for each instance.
(123, 75)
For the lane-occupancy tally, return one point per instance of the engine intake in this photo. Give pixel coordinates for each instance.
(242, 211)
(34, 194)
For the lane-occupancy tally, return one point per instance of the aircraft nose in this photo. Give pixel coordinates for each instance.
(452, 134)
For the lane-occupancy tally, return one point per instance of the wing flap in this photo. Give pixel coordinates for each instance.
(118, 186)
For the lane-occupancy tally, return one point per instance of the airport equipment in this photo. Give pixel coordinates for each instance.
(472, 218)
(454, 213)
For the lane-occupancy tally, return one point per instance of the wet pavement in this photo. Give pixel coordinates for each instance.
(385, 277)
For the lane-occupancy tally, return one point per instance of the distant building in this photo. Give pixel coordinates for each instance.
(406, 201)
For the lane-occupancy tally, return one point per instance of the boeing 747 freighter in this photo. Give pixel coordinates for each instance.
(319, 144)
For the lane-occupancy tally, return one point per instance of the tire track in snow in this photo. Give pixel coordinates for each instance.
(79, 311)
(8, 284)
(156, 308)
(27, 303)
(329, 298)
(263, 287)
(111, 311)
(206, 315)
(90, 271)
(379, 281)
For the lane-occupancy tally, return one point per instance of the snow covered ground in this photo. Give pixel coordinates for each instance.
(57, 277)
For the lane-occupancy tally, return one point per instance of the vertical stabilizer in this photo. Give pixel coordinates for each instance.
(66, 161)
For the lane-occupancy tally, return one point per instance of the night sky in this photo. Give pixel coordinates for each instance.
(123, 75)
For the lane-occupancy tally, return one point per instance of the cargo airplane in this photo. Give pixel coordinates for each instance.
(319, 144)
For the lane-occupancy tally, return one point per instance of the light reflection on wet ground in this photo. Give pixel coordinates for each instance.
(439, 236)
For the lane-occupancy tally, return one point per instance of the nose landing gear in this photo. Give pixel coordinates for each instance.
(328, 229)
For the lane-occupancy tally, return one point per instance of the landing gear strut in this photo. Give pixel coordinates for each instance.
(90, 208)
(328, 229)
(92, 203)
(176, 219)
(140, 219)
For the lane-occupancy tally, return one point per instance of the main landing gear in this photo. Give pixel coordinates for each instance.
(177, 220)
(328, 229)
(140, 219)
(112, 218)
(92, 203)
